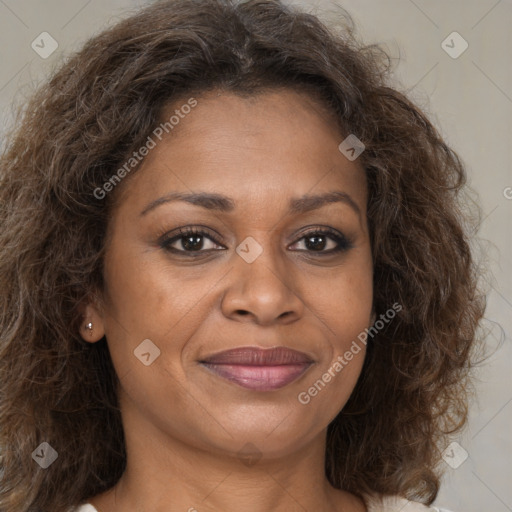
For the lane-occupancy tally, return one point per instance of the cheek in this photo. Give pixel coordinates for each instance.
(344, 302)
(146, 295)
(344, 307)
(142, 304)
(346, 317)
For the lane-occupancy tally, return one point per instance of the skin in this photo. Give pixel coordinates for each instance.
(185, 426)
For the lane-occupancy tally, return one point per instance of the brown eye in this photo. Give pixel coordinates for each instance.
(190, 240)
(325, 241)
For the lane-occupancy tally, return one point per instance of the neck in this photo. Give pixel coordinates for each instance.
(163, 474)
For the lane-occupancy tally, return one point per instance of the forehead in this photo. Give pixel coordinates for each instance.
(263, 147)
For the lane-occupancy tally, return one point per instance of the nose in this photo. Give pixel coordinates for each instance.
(262, 292)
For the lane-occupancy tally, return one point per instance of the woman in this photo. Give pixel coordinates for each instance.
(235, 273)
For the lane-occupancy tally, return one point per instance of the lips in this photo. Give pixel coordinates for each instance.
(259, 369)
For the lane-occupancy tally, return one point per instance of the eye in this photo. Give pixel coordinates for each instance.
(194, 241)
(324, 241)
(190, 240)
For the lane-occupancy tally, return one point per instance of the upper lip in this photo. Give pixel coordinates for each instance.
(254, 356)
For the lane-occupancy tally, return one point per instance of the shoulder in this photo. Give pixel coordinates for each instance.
(397, 504)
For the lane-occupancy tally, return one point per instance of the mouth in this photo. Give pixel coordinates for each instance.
(259, 369)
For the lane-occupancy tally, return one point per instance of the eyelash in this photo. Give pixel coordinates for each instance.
(343, 243)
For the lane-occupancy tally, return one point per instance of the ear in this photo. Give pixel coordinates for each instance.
(92, 328)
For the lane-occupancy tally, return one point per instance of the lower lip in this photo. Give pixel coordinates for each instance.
(259, 378)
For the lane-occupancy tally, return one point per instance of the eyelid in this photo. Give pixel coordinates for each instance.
(165, 233)
(170, 237)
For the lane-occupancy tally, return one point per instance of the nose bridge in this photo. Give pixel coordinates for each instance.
(261, 283)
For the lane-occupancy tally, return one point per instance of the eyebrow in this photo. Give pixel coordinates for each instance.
(220, 203)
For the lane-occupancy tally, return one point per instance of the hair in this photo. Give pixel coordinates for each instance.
(101, 104)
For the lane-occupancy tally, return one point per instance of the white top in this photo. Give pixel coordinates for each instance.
(387, 504)
(394, 504)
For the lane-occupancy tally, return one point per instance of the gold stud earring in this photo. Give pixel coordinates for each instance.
(88, 326)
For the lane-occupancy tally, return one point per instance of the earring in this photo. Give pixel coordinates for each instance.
(88, 326)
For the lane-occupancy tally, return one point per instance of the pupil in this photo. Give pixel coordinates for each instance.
(318, 242)
(193, 242)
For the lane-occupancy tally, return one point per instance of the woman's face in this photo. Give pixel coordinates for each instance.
(259, 272)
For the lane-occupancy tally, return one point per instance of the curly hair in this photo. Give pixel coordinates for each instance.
(100, 105)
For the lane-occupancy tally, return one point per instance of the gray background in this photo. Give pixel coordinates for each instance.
(468, 98)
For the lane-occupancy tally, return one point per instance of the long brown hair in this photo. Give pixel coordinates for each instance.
(79, 128)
